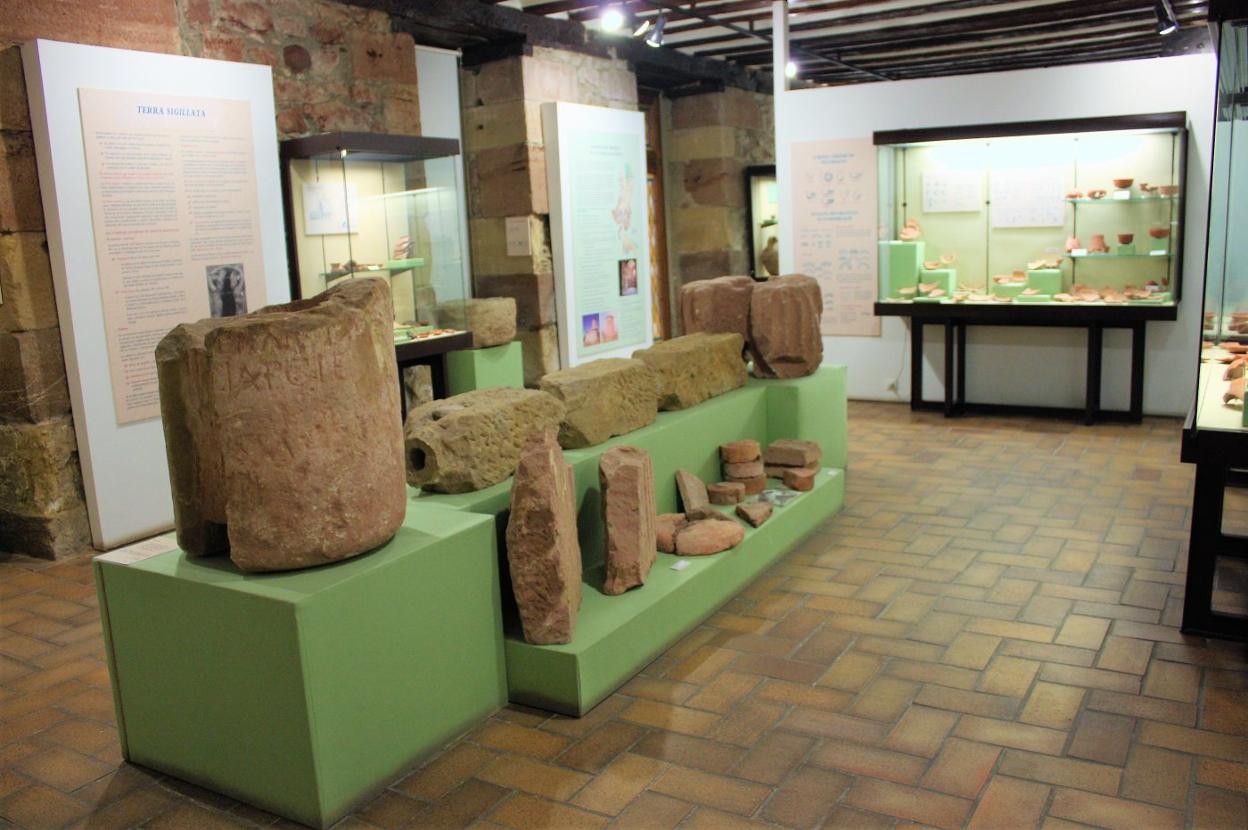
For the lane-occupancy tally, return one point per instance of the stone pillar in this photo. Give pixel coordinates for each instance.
(711, 139)
(505, 160)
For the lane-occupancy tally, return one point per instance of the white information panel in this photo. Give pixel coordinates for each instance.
(123, 127)
(600, 230)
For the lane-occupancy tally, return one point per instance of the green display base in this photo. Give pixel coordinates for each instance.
(1124, 250)
(303, 692)
(1160, 246)
(1034, 298)
(404, 264)
(1045, 280)
(947, 277)
(616, 636)
(1010, 290)
(900, 263)
(496, 366)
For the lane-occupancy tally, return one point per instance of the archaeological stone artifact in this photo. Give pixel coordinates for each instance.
(784, 327)
(492, 320)
(282, 430)
(695, 367)
(543, 553)
(626, 477)
(717, 305)
(472, 441)
(604, 398)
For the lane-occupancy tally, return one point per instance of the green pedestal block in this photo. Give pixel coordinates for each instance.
(1125, 250)
(1159, 245)
(1034, 298)
(900, 263)
(617, 636)
(946, 277)
(303, 692)
(1045, 280)
(1007, 289)
(470, 369)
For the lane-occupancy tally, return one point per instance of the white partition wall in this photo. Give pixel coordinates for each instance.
(1020, 365)
(159, 257)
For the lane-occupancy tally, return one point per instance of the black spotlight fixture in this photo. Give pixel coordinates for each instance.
(655, 38)
(1166, 21)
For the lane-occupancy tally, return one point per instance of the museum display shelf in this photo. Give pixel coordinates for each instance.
(1215, 436)
(302, 692)
(365, 205)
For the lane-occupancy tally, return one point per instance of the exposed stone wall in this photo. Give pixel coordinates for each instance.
(506, 170)
(335, 67)
(710, 140)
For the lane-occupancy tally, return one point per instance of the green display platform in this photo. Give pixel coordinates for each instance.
(470, 369)
(573, 678)
(899, 265)
(1045, 280)
(303, 692)
(946, 277)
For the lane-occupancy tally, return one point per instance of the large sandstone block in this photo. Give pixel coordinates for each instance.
(491, 320)
(604, 398)
(695, 367)
(784, 327)
(718, 305)
(282, 430)
(472, 441)
(32, 376)
(39, 473)
(48, 537)
(26, 283)
(543, 553)
(629, 516)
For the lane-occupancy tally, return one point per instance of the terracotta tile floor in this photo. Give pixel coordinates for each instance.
(985, 636)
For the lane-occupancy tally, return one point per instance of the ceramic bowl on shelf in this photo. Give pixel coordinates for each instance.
(1169, 189)
(1097, 193)
(1159, 232)
(1123, 184)
(1074, 194)
(1126, 238)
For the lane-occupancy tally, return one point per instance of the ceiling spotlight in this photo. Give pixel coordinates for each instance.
(790, 70)
(612, 19)
(655, 38)
(642, 29)
(1166, 21)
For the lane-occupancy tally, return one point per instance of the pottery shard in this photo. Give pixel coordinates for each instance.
(543, 553)
(790, 452)
(726, 492)
(692, 491)
(738, 452)
(754, 486)
(718, 305)
(705, 537)
(799, 478)
(605, 397)
(666, 526)
(492, 320)
(695, 367)
(746, 469)
(628, 513)
(264, 418)
(755, 512)
(784, 327)
(471, 441)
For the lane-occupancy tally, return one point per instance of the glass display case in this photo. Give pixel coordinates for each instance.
(1224, 350)
(762, 221)
(1087, 211)
(385, 206)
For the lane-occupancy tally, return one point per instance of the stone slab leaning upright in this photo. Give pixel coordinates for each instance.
(607, 397)
(784, 327)
(695, 367)
(472, 441)
(282, 430)
(718, 305)
(543, 553)
(628, 512)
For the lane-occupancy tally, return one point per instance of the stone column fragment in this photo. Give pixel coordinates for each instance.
(716, 306)
(628, 514)
(784, 327)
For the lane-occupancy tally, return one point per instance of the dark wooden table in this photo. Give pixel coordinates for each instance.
(956, 317)
(432, 352)
(1221, 459)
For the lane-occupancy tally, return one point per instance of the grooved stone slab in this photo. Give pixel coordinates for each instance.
(695, 367)
(604, 398)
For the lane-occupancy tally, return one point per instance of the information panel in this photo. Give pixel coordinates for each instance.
(834, 223)
(172, 182)
(596, 172)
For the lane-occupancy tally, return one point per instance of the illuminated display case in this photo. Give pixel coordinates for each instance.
(385, 206)
(1085, 212)
(763, 220)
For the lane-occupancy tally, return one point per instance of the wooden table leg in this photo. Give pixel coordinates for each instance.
(1137, 371)
(916, 363)
(961, 378)
(1096, 336)
(950, 370)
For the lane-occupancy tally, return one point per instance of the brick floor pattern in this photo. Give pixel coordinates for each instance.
(986, 636)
